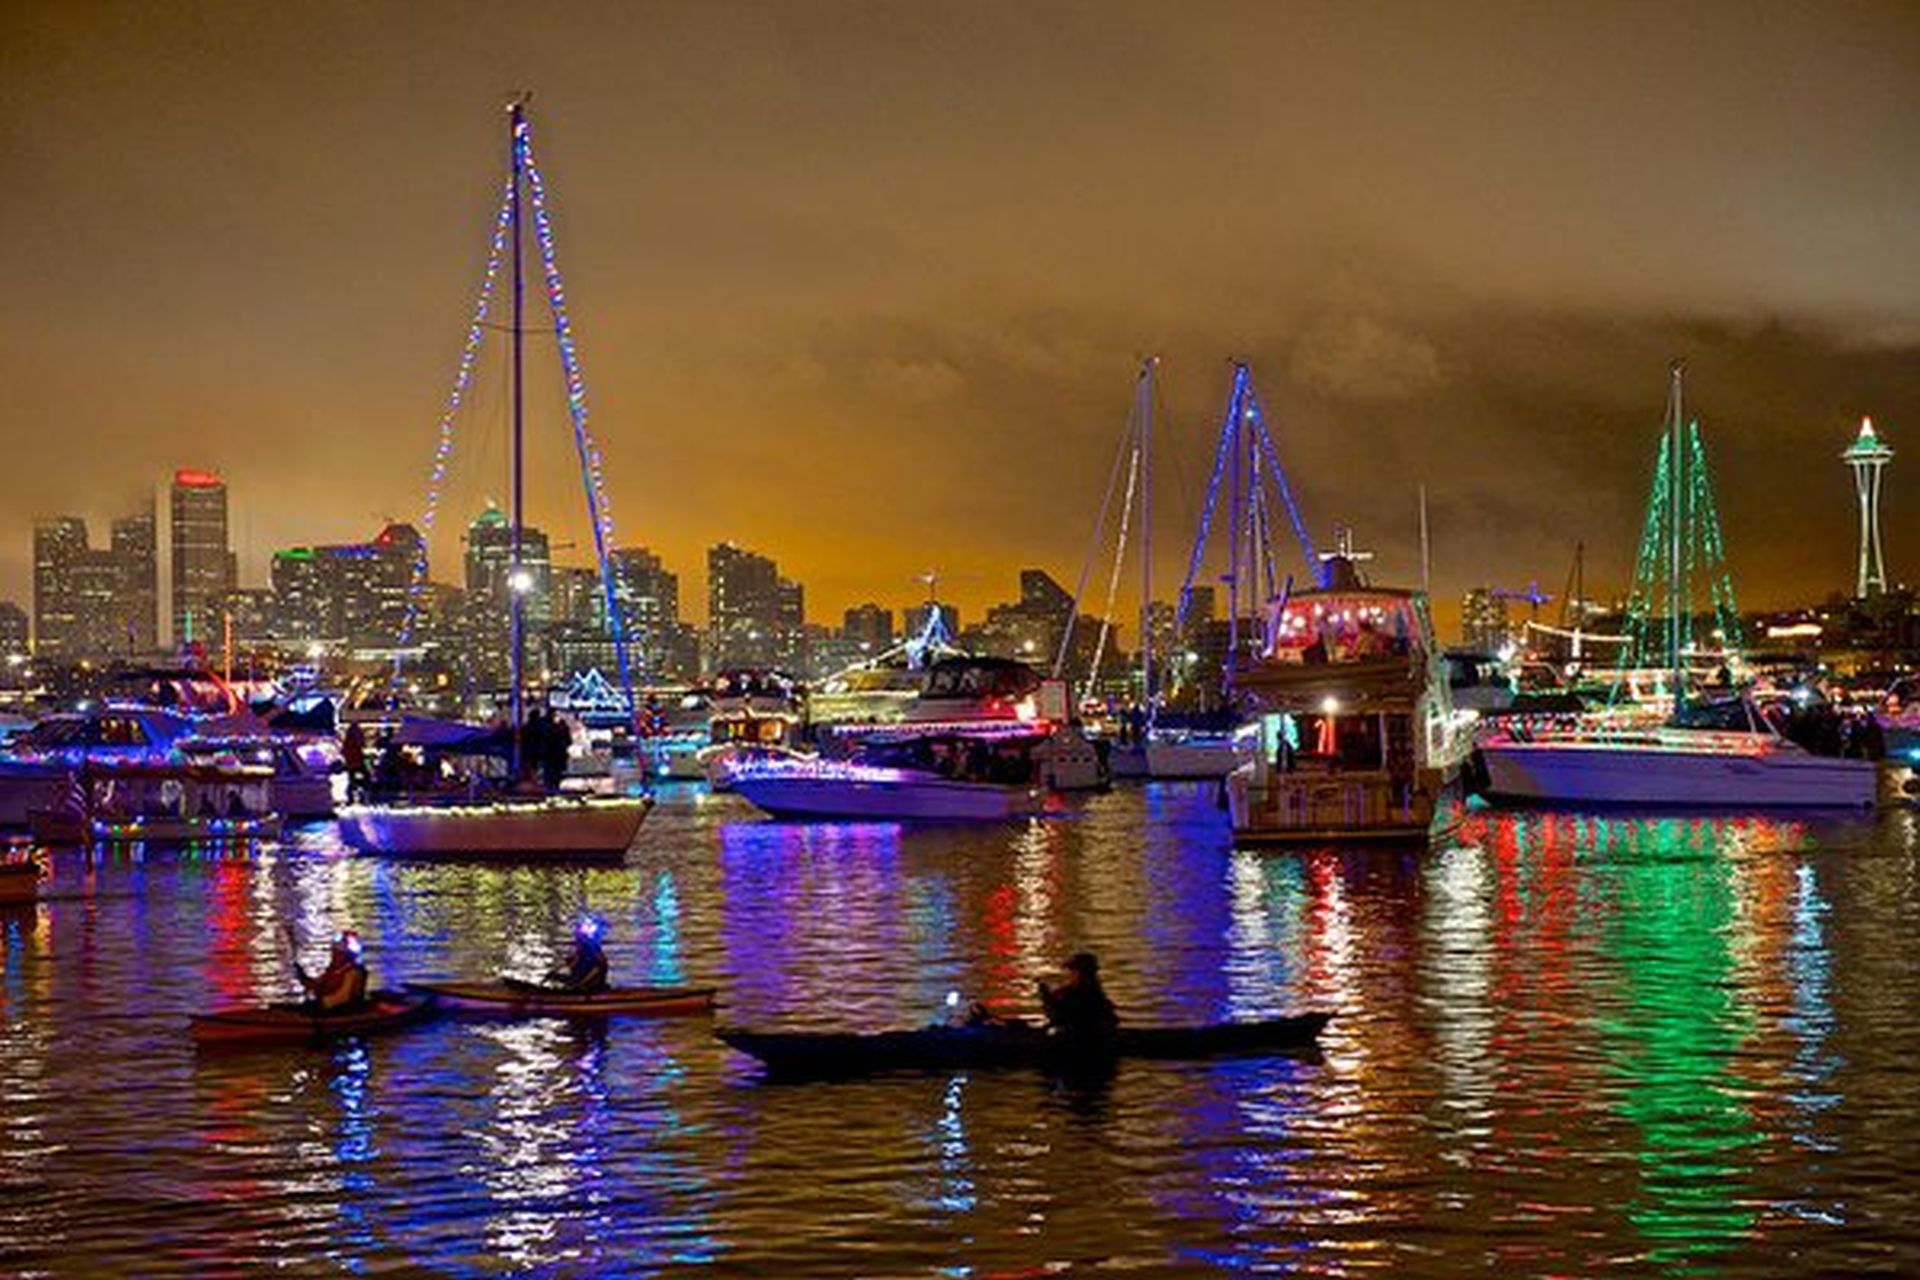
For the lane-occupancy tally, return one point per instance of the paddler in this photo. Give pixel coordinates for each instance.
(342, 986)
(1078, 1009)
(585, 970)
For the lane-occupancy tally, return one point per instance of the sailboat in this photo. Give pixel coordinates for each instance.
(1247, 466)
(1718, 753)
(507, 823)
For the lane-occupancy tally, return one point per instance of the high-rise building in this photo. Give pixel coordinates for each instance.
(203, 563)
(58, 544)
(869, 626)
(302, 598)
(579, 597)
(755, 618)
(1868, 456)
(1483, 620)
(77, 610)
(1031, 628)
(352, 593)
(15, 638)
(649, 598)
(490, 555)
(136, 557)
(1202, 606)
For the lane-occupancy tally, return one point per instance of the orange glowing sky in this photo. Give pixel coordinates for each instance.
(863, 286)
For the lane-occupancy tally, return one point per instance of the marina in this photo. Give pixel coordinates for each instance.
(1268, 642)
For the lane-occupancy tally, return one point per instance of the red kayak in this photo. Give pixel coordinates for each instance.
(518, 1000)
(295, 1024)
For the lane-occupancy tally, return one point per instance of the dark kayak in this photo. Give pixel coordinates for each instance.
(513, 999)
(830, 1054)
(294, 1024)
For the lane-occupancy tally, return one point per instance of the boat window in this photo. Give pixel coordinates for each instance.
(1725, 713)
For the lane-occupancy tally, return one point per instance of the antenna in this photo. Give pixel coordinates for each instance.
(1426, 547)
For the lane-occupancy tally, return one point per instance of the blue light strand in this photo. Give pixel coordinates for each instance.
(592, 475)
(1234, 403)
(1314, 566)
(443, 447)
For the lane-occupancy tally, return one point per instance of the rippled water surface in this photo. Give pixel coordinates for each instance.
(1564, 1045)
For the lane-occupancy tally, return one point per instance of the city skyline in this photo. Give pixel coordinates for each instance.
(801, 335)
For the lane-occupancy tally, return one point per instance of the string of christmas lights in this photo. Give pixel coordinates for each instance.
(1235, 400)
(443, 445)
(1279, 474)
(593, 477)
(1689, 508)
(1244, 413)
(1119, 561)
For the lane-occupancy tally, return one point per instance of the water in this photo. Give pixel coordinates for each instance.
(1564, 1045)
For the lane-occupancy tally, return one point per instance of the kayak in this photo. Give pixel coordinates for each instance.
(294, 1024)
(1012, 1043)
(511, 1000)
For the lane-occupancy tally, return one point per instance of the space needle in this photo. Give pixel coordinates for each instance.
(1868, 457)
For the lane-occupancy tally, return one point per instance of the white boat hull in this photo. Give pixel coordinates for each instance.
(1207, 759)
(532, 829)
(1590, 773)
(1128, 761)
(922, 799)
(1067, 761)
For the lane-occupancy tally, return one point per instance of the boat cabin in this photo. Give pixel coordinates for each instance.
(1352, 731)
(1001, 759)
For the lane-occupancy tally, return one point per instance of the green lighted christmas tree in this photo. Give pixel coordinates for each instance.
(1682, 554)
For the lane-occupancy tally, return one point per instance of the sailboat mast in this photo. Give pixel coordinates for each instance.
(516, 583)
(1676, 517)
(1146, 534)
(1234, 513)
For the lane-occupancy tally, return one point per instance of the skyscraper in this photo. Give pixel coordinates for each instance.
(649, 597)
(203, 565)
(136, 558)
(490, 554)
(1868, 457)
(1483, 620)
(755, 617)
(77, 606)
(15, 638)
(59, 544)
(870, 626)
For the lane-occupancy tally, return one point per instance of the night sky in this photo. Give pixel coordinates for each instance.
(864, 287)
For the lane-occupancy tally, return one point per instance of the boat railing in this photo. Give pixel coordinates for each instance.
(1329, 801)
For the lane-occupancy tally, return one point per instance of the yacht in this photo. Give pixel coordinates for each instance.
(1716, 751)
(38, 765)
(1353, 735)
(755, 715)
(1717, 755)
(986, 774)
(127, 801)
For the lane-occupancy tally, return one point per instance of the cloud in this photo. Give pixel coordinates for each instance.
(922, 381)
(1357, 357)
